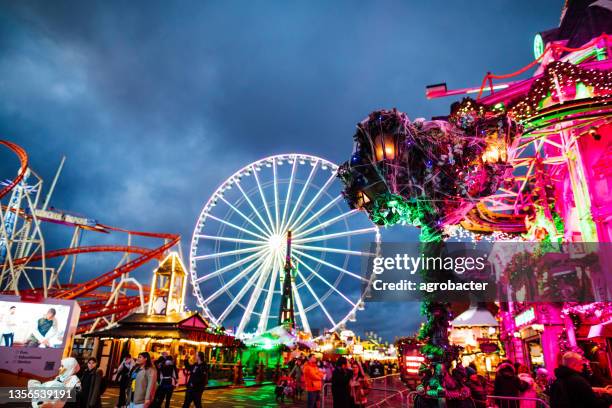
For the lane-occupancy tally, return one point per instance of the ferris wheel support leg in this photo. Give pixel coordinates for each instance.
(312, 292)
(254, 297)
(233, 281)
(239, 296)
(265, 314)
(300, 307)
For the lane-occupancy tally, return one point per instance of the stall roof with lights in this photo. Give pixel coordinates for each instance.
(186, 326)
(475, 316)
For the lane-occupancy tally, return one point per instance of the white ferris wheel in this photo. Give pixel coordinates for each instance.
(239, 243)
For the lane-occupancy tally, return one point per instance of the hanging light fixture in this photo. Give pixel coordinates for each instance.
(385, 147)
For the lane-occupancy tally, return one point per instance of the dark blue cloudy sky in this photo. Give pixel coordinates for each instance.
(155, 103)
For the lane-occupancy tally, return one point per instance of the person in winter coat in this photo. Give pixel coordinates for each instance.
(313, 381)
(143, 382)
(359, 386)
(478, 388)
(507, 384)
(341, 377)
(297, 372)
(168, 379)
(91, 386)
(530, 391)
(123, 378)
(570, 389)
(198, 378)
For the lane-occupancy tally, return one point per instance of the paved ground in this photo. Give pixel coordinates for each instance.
(263, 396)
(245, 397)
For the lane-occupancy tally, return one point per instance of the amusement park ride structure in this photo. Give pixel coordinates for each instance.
(31, 270)
(548, 150)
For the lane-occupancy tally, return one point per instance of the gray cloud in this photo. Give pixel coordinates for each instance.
(154, 103)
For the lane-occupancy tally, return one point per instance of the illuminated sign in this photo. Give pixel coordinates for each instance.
(538, 46)
(526, 317)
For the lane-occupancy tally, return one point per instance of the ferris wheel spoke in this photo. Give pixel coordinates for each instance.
(241, 293)
(326, 223)
(276, 214)
(297, 204)
(263, 199)
(312, 202)
(229, 267)
(333, 250)
(335, 235)
(228, 253)
(289, 191)
(233, 281)
(231, 239)
(317, 214)
(300, 307)
(254, 297)
(247, 219)
(322, 262)
(335, 289)
(263, 320)
(312, 292)
(257, 213)
(229, 224)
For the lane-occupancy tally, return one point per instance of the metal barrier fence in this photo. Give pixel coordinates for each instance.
(514, 402)
(385, 391)
(417, 400)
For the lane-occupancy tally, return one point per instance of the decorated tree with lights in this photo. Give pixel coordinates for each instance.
(428, 174)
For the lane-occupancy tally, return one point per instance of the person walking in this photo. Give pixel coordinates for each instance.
(142, 382)
(359, 386)
(168, 379)
(313, 381)
(530, 392)
(297, 373)
(570, 389)
(507, 384)
(122, 376)
(341, 377)
(91, 386)
(198, 377)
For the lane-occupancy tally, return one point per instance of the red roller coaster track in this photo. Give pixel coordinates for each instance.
(93, 302)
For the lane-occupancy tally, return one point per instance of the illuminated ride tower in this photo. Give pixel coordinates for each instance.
(285, 316)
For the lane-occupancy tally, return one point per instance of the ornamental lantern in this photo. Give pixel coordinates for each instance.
(385, 147)
(362, 199)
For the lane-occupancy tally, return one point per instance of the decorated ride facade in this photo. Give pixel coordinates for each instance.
(525, 163)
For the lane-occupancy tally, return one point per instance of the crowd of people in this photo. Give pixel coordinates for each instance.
(349, 381)
(570, 387)
(144, 383)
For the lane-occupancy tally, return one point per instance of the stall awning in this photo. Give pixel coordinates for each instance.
(601, 330)
(475, 316)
